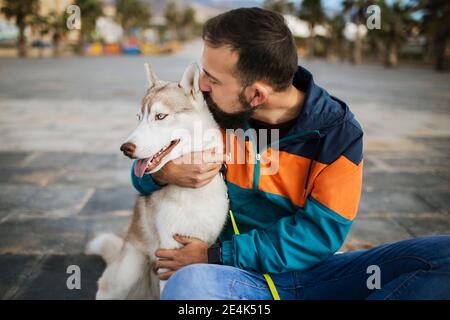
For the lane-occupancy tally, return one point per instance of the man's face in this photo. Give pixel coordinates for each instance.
(223, 92)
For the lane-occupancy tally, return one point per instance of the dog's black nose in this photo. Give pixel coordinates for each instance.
(128, 149)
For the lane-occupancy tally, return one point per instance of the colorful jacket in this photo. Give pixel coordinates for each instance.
(301, 215)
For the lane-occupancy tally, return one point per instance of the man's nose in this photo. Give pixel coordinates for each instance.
(203, 83)
(128, 149)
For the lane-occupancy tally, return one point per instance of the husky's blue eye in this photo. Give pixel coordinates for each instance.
(160, 116)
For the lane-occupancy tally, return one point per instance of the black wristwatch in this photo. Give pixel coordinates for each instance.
(215, 254)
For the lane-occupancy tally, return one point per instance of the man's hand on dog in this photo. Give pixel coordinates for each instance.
(193, 251)
(193, 170)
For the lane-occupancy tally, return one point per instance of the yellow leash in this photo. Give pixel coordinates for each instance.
(273, 289)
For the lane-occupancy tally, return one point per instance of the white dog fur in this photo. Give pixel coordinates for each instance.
(193, 212)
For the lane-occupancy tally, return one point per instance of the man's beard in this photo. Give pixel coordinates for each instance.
(227, 120)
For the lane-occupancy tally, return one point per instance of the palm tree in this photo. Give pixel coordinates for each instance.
(22, 11)
(396, 24)
(336, 39)
(39, 28)
(181, 22)
(132, 14)
(172, 16)
(187, 22)
(90, 11)
(281, 6)
(355, 9)
(436, 27)
(57, 24)
(312, 12)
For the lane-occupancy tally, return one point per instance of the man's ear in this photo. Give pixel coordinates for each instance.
(151, 76)
(258, 93)
(190, 79)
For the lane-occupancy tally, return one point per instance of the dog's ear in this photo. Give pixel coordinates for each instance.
(151, 76)
(190, 79)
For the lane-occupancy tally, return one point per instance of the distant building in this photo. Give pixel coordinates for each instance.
(8, 31)
(300, 28)
(351, 31)
(109, 30)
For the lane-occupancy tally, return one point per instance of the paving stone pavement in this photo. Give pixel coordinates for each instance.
(63, 179)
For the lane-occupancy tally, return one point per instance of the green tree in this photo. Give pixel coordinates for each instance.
(53, 23)
(281, 6)
(356, 11)
(133, 14)
(172, 16)
(181, 22)
(39, 28)
(57, 26)
(396, 23)
(22, 11)
(187, 17)
(312, 12)
(436, 28)
(187, 22)
(90, 10)
(336, 40)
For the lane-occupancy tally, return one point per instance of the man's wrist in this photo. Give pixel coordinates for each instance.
(215, 254)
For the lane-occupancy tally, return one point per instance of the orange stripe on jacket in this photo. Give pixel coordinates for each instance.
(338, 187)
(240, 166)
(289, 180)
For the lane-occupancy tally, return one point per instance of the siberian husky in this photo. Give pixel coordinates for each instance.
(170, 116)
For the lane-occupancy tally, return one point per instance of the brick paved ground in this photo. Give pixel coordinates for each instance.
(62, 177)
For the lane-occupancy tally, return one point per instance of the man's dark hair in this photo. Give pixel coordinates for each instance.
(265, 45)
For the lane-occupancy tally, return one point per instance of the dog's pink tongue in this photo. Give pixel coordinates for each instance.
(140, 166)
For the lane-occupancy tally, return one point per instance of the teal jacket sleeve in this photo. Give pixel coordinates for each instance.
(293, 243)
(145, 185)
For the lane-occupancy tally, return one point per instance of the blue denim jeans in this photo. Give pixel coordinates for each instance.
(417, 268)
